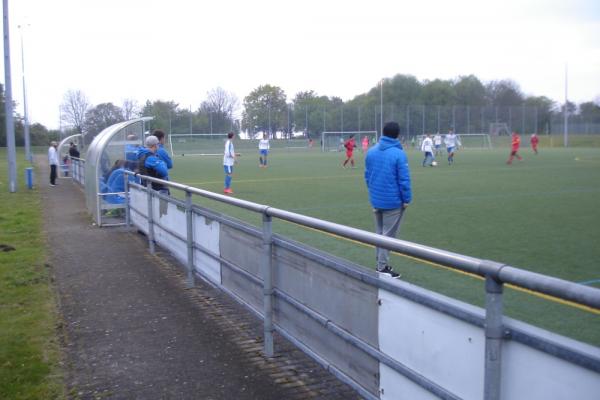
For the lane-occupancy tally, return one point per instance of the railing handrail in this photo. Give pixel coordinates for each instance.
(536, 282)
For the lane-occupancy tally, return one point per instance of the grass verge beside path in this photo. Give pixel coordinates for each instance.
(29, 350)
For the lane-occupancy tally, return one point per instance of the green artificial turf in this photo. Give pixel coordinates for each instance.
(541, 214)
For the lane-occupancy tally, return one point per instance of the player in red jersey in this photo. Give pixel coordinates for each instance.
(515, 144)
(534, 142)
(350, 144)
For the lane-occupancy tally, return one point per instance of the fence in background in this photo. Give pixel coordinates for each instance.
(415, 119)
(386, 338)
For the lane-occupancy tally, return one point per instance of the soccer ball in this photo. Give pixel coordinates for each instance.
(434, 163)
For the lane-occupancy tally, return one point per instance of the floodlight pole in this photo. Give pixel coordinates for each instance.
(25, 113)
(8, 109)
(381, 108)
(566, 112)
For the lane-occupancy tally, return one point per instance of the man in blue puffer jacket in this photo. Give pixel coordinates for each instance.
(151, 165)
(388, 180)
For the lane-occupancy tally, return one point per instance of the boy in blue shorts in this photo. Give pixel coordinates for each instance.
(263, 149)
(228, 161)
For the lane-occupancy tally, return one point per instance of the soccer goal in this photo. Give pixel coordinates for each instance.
(474, 141)
(334, 141)
(499, 129)
(197, 144)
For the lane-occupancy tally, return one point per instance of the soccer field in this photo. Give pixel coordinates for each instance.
(541, 214)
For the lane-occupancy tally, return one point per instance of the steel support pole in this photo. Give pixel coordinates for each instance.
(493, 338)
(150, 218)
(190, 239)
(267, 272)
(127, 200)
(11, 150)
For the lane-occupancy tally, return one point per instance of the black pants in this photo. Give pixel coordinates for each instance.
(52, 174)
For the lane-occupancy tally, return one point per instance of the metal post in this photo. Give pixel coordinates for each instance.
(191, 131)
(522, 119)
(454, 119)
(468, 119)
(566, 113)
(535, 120)
(359, 123)
(407, 122)
(189, 217)
(381, 108)
(267, 272)
(438, 119)
(342, 117)
(28, 156)
(423, 119)
(127, 200)
(150, 219)
(493, 338)
(8, 107)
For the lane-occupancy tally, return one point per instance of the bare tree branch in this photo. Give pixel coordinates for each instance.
(75, 105)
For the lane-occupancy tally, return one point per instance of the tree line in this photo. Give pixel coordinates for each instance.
(267, 108)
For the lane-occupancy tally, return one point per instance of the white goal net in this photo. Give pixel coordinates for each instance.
(334, 141)
(204, 144)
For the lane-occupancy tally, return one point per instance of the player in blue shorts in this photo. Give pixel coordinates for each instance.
(263, 149)
(450, 141)
(229, 159)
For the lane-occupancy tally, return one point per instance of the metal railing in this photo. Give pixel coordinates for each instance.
(496, 275)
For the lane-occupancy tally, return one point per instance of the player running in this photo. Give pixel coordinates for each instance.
(515, 144)
(365, 144)
(451, 141)
(350, 145)
(427, 148)
(437, 142)
(534, 142)
(263, 149)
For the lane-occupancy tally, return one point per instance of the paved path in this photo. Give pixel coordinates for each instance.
(132, 331)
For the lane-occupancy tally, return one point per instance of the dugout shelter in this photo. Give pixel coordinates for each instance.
(117, 142)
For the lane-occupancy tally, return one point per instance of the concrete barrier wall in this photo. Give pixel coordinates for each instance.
(405, 341)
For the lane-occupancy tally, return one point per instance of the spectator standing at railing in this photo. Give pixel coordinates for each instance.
(151, 165)
(161, 152)
(73, 151)
(229, 159)
(53, 162)
(388, 181)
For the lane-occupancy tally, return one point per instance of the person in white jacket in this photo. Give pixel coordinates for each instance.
(427, 148)
(53, 161)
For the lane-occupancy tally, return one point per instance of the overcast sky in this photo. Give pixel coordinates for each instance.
(178, 49)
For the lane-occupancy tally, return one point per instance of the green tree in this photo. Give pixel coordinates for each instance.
(504, 93)
(313, 113)
(589, 112)
(469, 91)
(99, 117)
(438, 93)
(265, 110)
(164, 113)
(543, 109)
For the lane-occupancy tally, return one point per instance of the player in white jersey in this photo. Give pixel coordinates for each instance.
(263, 149)
(427, 148)
(451, 141)
(229, 160)
(437, 142)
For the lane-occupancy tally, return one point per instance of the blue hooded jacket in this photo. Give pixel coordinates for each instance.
(387, 175)
(154, 162)
(164, 155)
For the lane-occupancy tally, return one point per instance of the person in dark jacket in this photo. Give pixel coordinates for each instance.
(151, 165)
(388, 181)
